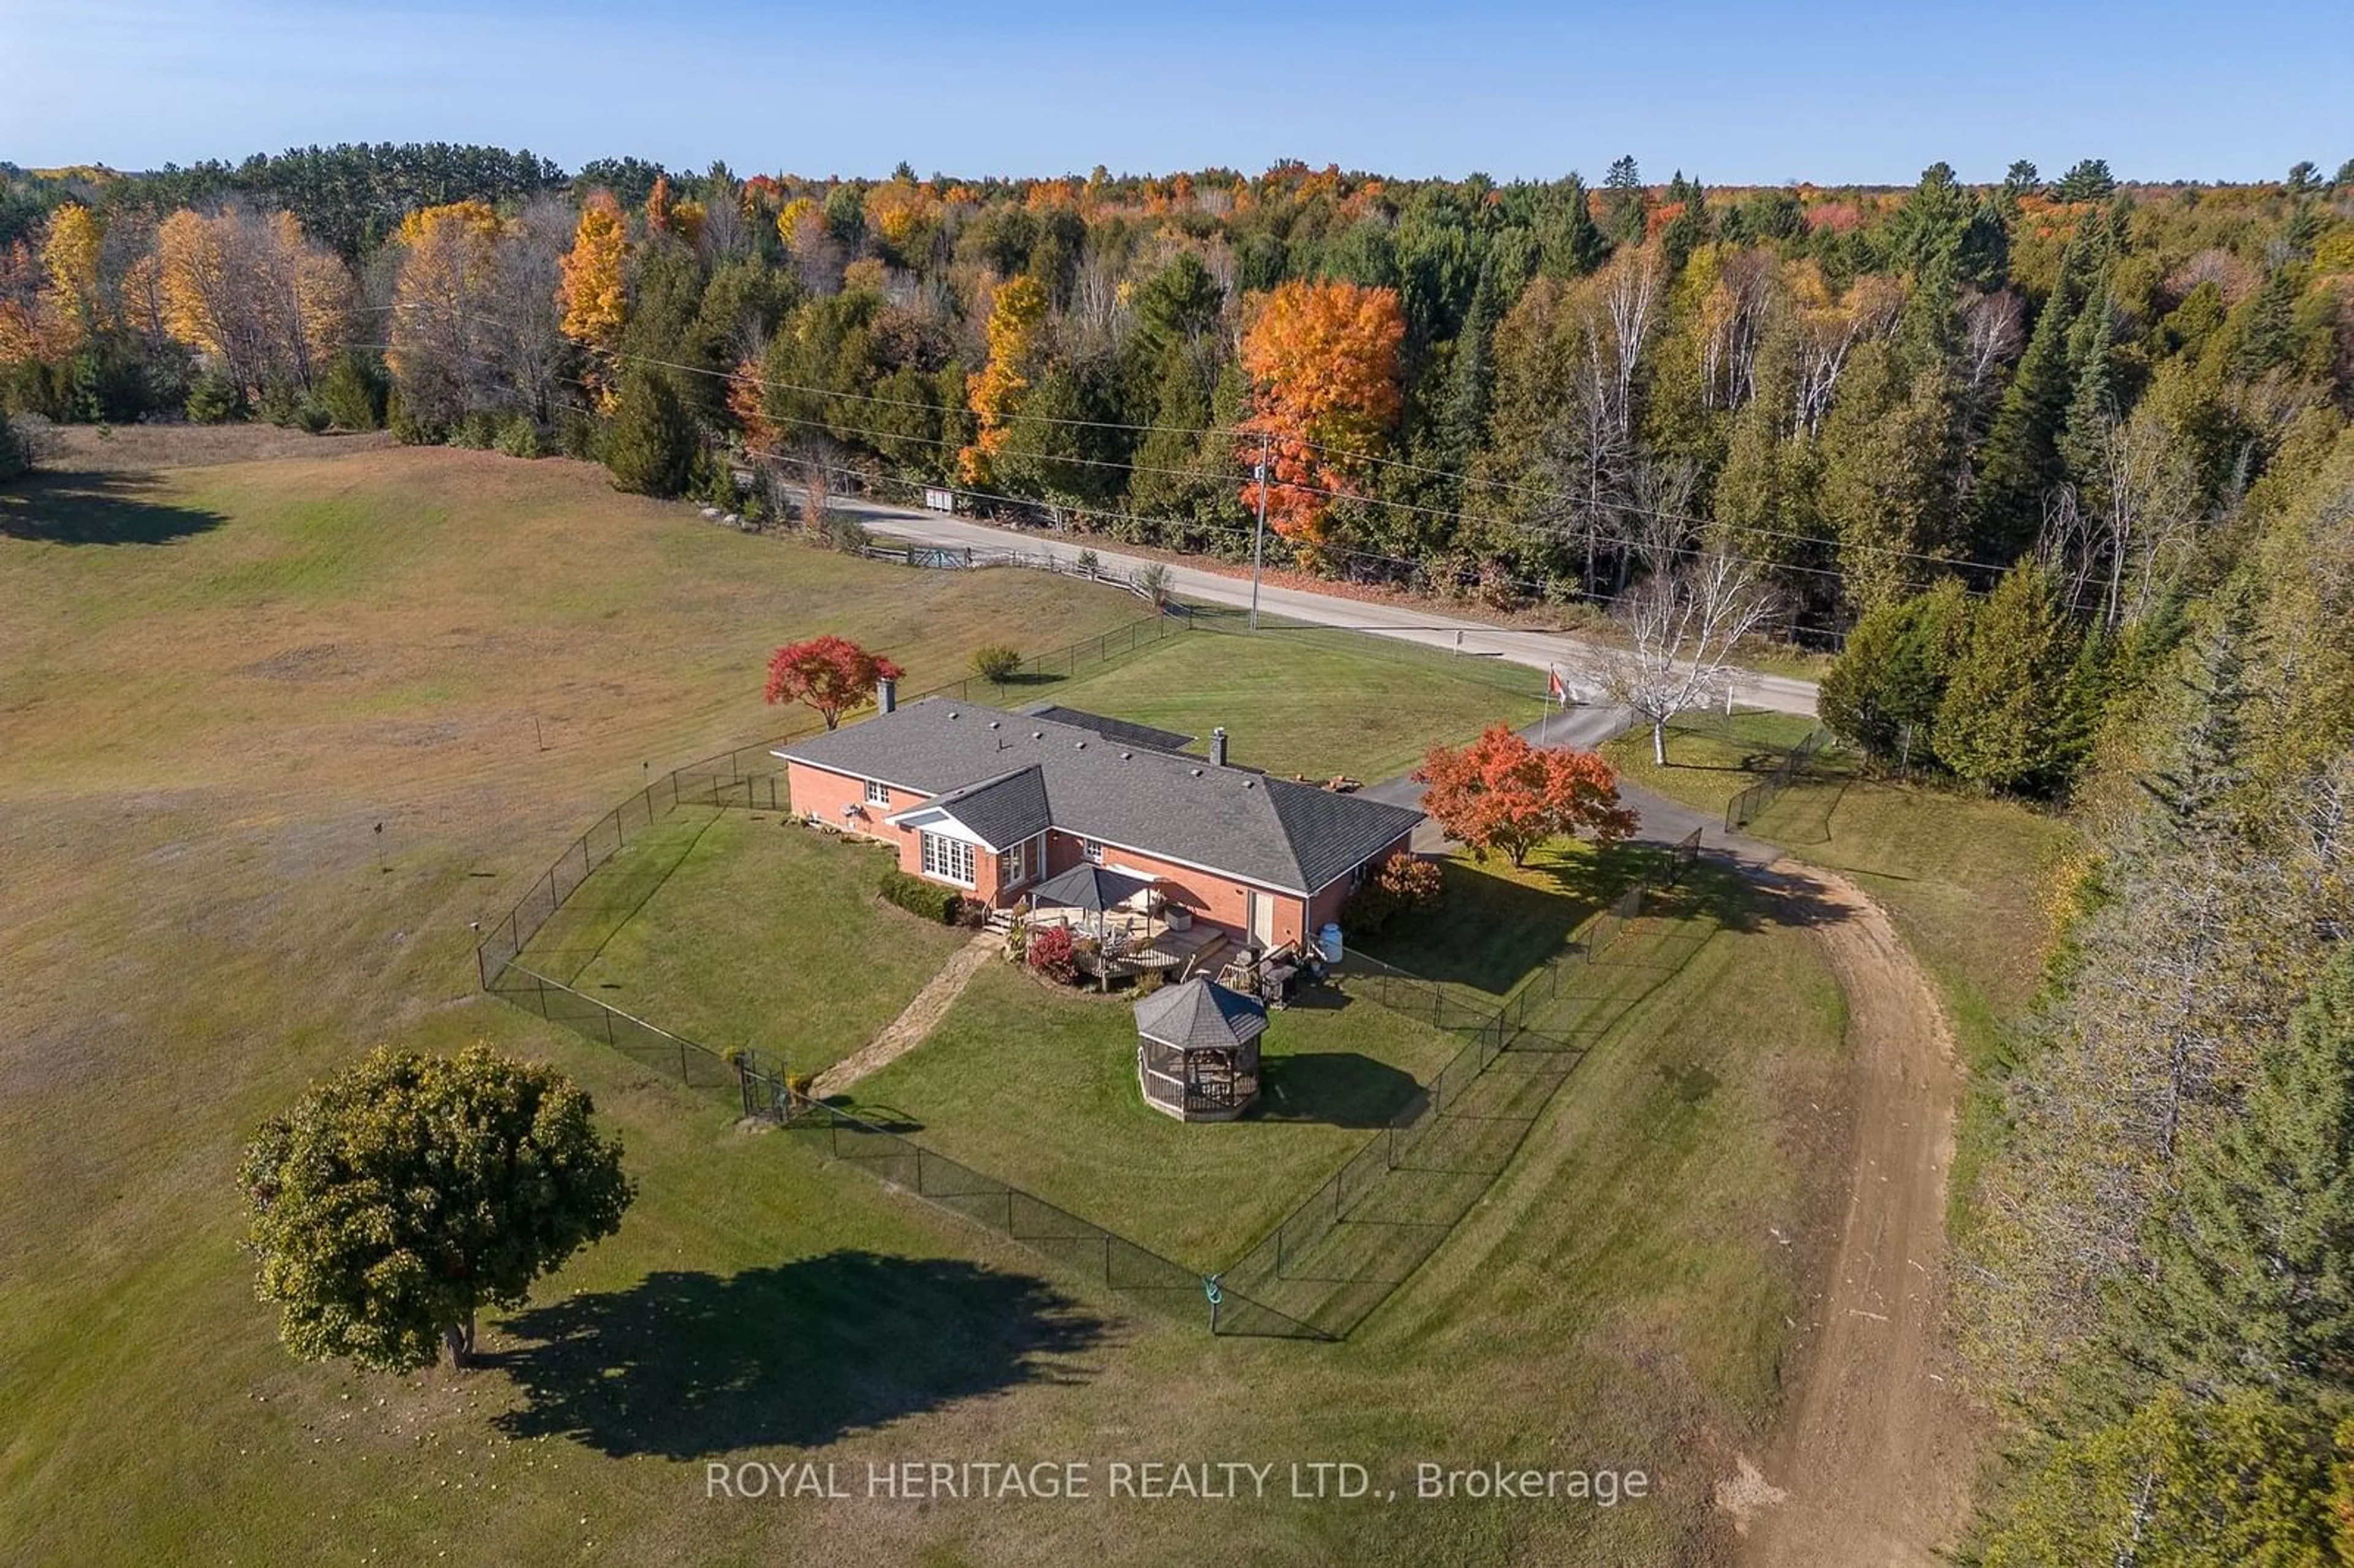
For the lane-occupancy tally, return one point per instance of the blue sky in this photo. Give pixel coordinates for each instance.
(1734, 93)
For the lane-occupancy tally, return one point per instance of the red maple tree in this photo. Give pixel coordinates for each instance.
(1499, 793)
(832, 674)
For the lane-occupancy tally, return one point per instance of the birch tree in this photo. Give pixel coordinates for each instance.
(1682, 622)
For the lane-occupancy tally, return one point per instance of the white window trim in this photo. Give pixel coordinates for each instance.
(877, 792)
(1031, 853)
(1091, 851)
(939, 862)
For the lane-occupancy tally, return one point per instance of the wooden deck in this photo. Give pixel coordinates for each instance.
(1151, 945)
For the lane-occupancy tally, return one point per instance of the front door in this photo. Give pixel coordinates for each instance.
(1262, 920)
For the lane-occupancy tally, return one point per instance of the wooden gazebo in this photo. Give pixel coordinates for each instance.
(1197, 1050)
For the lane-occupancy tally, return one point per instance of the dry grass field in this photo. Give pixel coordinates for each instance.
(276, 732)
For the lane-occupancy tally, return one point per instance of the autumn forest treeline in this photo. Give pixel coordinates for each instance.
(1502, 391)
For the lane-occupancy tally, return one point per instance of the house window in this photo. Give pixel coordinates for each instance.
(1014, 865)
(1091, 851)
(951, 860)
(877, 794)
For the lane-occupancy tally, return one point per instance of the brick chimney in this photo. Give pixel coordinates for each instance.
(886, 696)
(1218, 746)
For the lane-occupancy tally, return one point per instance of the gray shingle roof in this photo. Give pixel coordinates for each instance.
(1088, 887)
(1282, 835)
(1004, 810)
(1199, 1015)
(1125, 731)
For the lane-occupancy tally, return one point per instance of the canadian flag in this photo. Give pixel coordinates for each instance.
(1554, 689)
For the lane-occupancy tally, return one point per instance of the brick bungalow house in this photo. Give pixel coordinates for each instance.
(994, 802)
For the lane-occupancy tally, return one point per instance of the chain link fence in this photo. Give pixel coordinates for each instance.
(752, 777)
(1354, 1240)
(1321, 1270)
(1746, 807)
(1128, 1268)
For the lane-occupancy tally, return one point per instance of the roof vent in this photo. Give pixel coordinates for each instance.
(952, 713)
(992, 723)
(1197, 773)
(1125, 755)
(1250, 783)
(1037, 734)
(1082, 745)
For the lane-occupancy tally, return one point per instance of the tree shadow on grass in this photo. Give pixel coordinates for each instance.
(1485, 931)
(1337, 1088)
(686, 1365)
(1749, 898)
(86, 509)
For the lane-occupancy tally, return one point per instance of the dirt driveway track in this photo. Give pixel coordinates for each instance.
(1871, 1462)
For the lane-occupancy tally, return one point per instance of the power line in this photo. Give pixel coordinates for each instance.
(1621, 508)
(1681, 551)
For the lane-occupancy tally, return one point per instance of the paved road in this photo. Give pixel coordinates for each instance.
(1537, 649)
(1660, 821)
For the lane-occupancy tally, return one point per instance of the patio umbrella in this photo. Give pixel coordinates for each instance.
(1089, 887)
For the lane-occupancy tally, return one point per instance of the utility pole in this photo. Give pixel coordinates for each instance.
(1258, 534)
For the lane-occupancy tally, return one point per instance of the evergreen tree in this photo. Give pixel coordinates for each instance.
(353, 392)
(1569, 244)
(1689, 230)
(2020, 459)
(1627, 209)
(1171, 483)
(1054, 452)
(1927, 229)
(1471, 375)
(1176, 304)
(2244, 1483)
(1890, 453)
(2088, 180)
(2000, 723)
(2267, 325)
(2253, 1280)
(2093, 395)
(651, 448)
(2210, 763)
(1883, 692)
(14, 458)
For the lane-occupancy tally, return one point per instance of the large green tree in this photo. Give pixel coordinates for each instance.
(2254, 1283)
(650, 447)
(395, 1201)
(2243, 1483)
(1884, 691)
(2001, 721)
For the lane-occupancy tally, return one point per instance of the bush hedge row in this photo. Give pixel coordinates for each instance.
(917, 896)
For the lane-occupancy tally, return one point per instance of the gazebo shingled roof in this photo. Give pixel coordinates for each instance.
(1201, 1015)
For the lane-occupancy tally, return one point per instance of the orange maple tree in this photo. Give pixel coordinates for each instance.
(1500, 794)
(595, 290)
(1017, 319)
(830, 673)
(1323, 359)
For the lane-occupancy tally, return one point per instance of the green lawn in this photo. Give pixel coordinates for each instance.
(261, 777)
(1312, 701)
(1711, 758)
(1496, 922)
(1037, 1086)
(740, 929)
(1961, 875)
